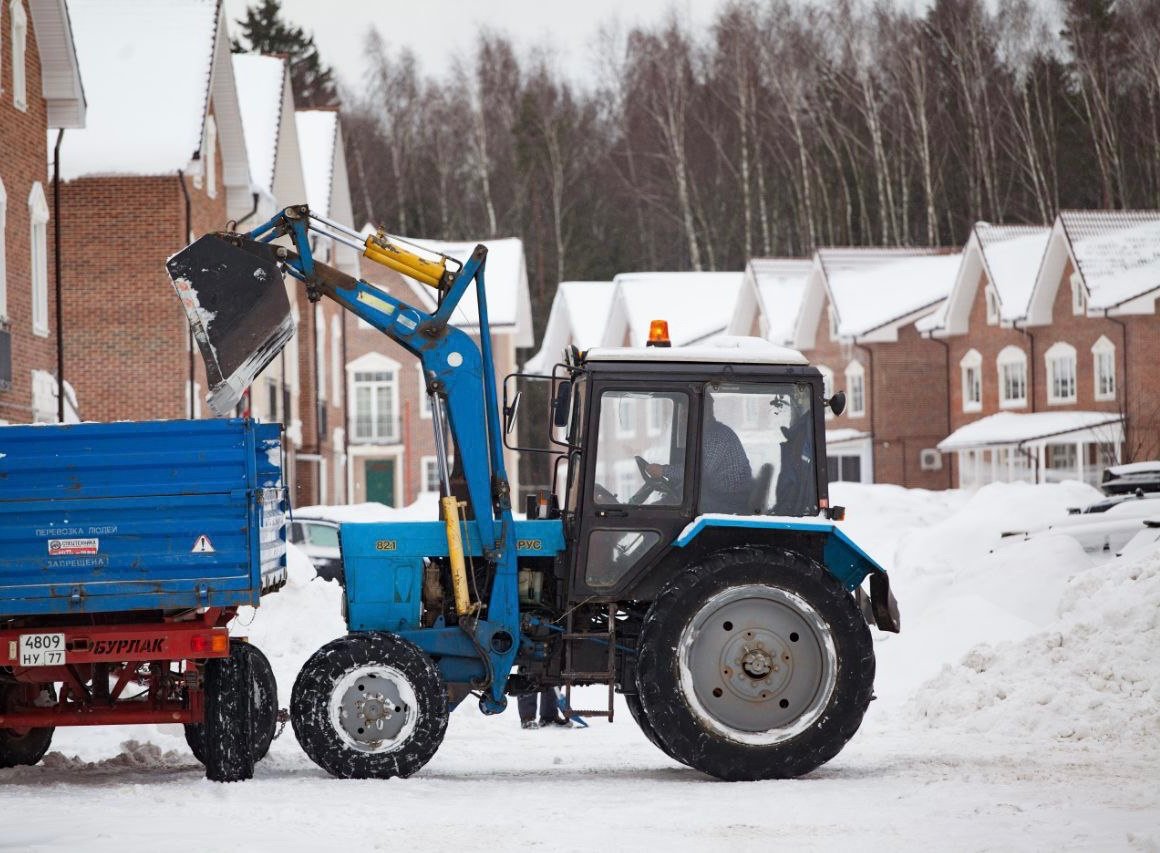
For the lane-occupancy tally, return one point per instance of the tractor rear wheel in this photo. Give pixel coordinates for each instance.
(632, 700)
(369, 706)
(23, 746)
(265, 713)
(754, 664)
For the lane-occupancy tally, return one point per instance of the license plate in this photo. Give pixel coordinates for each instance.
(41, 650)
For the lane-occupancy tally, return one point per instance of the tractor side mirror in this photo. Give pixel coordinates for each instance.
(837, 403)
(510, 412)
(561, 402)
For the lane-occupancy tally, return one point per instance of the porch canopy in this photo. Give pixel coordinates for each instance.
(1038, 447)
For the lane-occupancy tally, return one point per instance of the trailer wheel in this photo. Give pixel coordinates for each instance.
(23, 746)
(229, 713)
(265, 714)
(369, 706)
(754, 664)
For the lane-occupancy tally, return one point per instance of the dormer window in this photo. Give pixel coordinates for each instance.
(833, 324)
(1104, 368)
(19, 52)
(1078, 295)
(972, 370)
(992, 306)
(211, 156)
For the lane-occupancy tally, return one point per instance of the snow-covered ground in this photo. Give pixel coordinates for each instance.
(1019, 709)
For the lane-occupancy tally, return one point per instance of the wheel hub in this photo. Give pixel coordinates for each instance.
(371, 709)
(758, 662)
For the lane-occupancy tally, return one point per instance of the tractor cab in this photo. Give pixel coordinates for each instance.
(660, 437)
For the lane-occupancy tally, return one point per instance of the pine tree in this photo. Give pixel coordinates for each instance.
(264, 31)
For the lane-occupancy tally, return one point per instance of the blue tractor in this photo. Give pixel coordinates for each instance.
(692, 561)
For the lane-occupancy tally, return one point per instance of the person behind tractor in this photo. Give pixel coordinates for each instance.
(549, 710)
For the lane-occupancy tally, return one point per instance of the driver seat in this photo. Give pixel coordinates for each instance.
(759, 491)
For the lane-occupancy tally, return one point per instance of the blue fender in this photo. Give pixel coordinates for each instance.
(842, 557)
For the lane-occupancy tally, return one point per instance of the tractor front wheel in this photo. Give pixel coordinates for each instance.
(754, 664)
(369, 706)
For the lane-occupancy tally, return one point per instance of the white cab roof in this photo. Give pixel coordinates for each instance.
(723, 349)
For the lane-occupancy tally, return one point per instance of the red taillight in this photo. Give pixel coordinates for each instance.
(202, 644)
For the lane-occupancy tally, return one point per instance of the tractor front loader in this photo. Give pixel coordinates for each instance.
(691, 561)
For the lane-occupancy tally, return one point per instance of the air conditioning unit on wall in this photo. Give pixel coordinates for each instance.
(930, 460)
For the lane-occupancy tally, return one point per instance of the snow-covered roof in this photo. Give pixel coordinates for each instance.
(261, 81)
(60, 75)
(697, 305)
(874, 291)
(1009, 428)
(509, 302)
(771, 292)
(324, 172)
(578, 317)
(151, 69)
(729, 349)
(1010, 257)
(1116, 254)
(845, 435)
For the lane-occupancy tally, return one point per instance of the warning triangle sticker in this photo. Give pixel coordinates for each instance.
(202, 546)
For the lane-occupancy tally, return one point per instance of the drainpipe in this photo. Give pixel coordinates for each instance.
(947, 373)
(345, 410)
(1030, 362)
(873, 388)
(318, 404)
(185, 239)
(1122, 393)
(253, 210)
(56, 241)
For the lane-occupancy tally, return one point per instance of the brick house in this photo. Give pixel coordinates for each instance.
(392, 445)
(40, 95)
(696, 305)
(321, 460)
(162, 159)
(856, 324)
(267, 107)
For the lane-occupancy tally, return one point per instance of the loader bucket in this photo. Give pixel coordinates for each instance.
(238, 310)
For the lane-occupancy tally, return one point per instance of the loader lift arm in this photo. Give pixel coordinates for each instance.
(459, 377)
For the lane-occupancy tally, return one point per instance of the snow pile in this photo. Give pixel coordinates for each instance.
(1093, 675)
(293, 623)
(425, 508)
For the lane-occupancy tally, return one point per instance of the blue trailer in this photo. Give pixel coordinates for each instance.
(125, 549)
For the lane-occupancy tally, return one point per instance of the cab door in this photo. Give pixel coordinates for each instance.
(638, 491)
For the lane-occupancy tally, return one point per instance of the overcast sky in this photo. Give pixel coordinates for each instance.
(436, 30)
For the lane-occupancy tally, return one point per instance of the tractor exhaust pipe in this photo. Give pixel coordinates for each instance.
(233, 294)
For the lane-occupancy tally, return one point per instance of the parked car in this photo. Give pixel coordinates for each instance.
(1131, 477)
(318, 539)
(1104, 527)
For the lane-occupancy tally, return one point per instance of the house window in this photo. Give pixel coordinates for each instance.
(1060, 359)
(827, 385)
(38, 215)
(1012, 377)
(992, 306)
(272, 395)
(856, 383)
(429, 472)
(424, 398)
(375, 406)
(320, 350)
(3, 257)
(1104, 362)
(625, 416)
(19, 50)
(972, 369)
(656, 416)
(335, 355)
(1078, 294)
(833, 324)
(193, 400)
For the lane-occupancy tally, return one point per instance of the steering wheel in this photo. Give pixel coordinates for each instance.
(602, 495)
(662, 484)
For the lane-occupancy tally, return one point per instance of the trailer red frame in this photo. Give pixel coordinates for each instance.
(165, 655)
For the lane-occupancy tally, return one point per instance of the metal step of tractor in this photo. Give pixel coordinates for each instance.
(570, 636)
